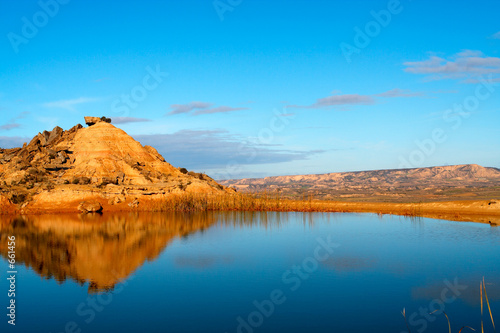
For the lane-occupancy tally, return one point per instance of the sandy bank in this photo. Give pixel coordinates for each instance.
(483, 211)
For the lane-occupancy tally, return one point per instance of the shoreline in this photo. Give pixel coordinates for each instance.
(480, 211)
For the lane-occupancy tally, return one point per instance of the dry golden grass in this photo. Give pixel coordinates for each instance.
(483, 288)
(476, 211)
(483, 211)
(189, 202)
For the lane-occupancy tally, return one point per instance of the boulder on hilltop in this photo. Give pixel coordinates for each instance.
(94, 120)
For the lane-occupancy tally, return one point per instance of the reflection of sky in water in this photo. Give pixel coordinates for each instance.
(198, 274)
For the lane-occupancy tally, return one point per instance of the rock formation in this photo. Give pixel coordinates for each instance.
(90, 207)
(94, 120)
(101, 160)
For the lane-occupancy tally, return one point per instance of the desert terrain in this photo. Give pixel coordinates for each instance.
(440, 183)
(101, 168)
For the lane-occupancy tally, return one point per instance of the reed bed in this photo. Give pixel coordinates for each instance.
(191, 202)
(274, 202)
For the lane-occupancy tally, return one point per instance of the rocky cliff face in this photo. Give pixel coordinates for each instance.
(468, 181)
(59, 166)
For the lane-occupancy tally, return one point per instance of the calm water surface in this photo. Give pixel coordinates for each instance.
(248, 272)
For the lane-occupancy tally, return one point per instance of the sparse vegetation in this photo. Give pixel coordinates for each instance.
(187, 202)
(105, 119)
(18, 198)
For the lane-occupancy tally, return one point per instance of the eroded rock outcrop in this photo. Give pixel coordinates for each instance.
(61, 167)
(90, 207)
(94, 120)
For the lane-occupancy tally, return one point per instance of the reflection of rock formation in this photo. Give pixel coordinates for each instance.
(101, 250)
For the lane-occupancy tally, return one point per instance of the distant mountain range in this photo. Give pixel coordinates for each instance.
(455, 182)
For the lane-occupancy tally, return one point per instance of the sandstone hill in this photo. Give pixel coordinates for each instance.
(60, 167)
(469, 181)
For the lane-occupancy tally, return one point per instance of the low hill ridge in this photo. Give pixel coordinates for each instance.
(437, 181)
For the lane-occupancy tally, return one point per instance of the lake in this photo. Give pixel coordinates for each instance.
(248, 272)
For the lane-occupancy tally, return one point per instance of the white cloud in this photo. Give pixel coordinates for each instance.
(338, 100)
(12, 141)
(200, 108)
(69, 104)
(199, 149)
(467, 65)
(400, 93)
(186, 108)
(8, 127)
(13, 124)
(126, 120)
(219, 109)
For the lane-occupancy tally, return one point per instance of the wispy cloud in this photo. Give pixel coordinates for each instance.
(451, 91)
(338, 100)
(219, 109)
(496, 36)
(126, 120)
(200, 108)
(69, 104)
(468, 65)
(12, 124)
(8, 127)
(400, 93)
(207, 149)
(186, 108)
(12, 141)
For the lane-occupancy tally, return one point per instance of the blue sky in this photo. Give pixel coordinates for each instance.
(239, 88)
